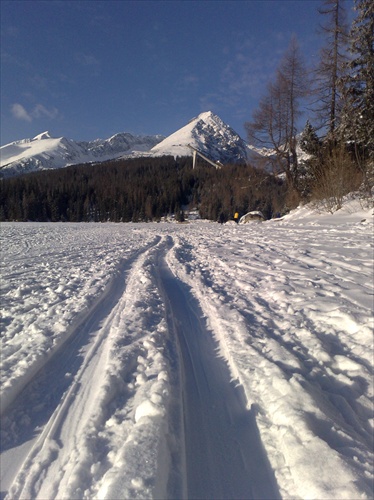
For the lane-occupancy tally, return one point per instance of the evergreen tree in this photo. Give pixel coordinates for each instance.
(139, 190)
(311, 144)
(358, 86)
(309, 140)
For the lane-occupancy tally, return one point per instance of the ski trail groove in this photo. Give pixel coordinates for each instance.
(224, 455)
(86, 350)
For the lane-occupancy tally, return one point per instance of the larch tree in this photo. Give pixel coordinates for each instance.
(330, 69)
(274, 123)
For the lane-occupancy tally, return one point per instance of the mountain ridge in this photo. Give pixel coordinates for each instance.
(44, 152)
(206, 133)
(210, 135)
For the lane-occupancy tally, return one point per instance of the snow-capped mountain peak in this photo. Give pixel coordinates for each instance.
(43, 135)
(45, 152)
(210, 135)
(207, 133)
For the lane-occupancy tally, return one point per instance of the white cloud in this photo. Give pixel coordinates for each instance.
(39, 111)
(19, 112)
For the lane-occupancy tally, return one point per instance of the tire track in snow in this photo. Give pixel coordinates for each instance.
(224, 454)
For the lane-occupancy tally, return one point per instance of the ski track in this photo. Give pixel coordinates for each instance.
(222, 439)
(308, 353)
(189, 361)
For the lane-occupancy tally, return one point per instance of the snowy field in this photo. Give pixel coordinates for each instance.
(188, 361)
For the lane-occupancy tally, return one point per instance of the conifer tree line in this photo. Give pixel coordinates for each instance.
(339, 95)
(139, 190)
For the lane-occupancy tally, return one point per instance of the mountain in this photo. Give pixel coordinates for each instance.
(206, 133)
(45, 152)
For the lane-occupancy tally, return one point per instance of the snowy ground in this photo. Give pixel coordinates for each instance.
(188, 361)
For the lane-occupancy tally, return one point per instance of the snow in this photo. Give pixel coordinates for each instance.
(45, 152)
(43, 135)
(255, 215)
(17, 151)
(188, 360)
(207, 132)
(177, 143)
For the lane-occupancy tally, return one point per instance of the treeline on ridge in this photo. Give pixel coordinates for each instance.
(137, 190)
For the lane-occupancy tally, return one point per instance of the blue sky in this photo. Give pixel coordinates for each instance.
(90, 69)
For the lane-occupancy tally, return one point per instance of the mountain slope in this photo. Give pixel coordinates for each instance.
(207, 133)
(210, 135)
(45, 152)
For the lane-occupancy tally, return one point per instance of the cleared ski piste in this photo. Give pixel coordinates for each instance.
(188, 361)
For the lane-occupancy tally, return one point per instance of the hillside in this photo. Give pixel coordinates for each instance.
(139, 189)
